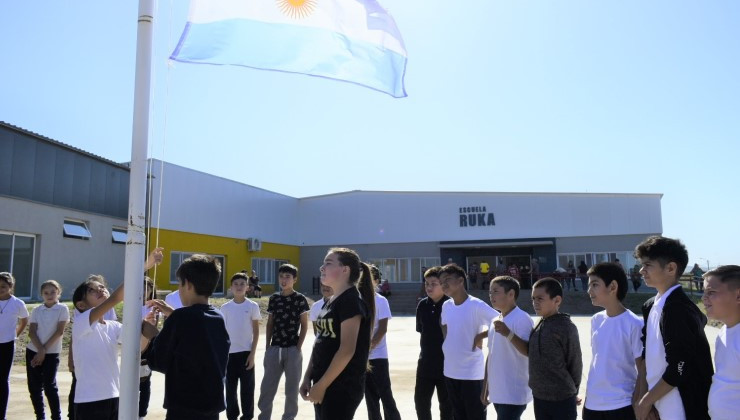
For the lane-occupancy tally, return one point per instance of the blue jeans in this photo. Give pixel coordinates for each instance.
(509, 411)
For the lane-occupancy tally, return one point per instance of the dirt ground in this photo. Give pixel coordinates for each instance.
(403, 345)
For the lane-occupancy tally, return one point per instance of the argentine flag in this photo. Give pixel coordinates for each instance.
(355, 41)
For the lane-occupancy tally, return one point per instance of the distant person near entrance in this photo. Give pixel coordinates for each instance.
(473, 275)
(636, 277)
(485, 274)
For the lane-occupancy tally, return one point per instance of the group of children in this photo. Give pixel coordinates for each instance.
(657, 366)
(650, 367)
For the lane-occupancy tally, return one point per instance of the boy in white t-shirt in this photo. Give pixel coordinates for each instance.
(464, 325)
(242, 317)
(313, 314)
(377, 379)
(615, 345)
(45, 332)
(722, 300)
(507, 368)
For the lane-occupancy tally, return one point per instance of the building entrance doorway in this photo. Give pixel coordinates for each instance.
(519, 266)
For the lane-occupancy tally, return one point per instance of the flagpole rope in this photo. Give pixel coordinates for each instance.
(164, 136)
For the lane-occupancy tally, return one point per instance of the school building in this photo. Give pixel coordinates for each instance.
(63, 216)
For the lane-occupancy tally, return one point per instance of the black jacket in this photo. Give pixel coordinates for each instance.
(687, 351)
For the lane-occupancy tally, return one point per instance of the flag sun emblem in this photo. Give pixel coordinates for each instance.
(297, 9)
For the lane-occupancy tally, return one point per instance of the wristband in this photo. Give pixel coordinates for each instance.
(511, 335)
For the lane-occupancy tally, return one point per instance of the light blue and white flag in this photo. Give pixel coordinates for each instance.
(355, 41)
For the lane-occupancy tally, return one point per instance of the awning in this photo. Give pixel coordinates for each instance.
(496, 244)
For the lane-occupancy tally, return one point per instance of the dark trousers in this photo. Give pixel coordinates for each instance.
(465, 398)
(236, 372)
(71, 398)
(377, 389)
(181, 416)
(43, 379)
(624, 413)
(555, 410)
(423, 398)
(341, 399)
(509, 411)
(97, 410)
(145, 393)
(7, 351)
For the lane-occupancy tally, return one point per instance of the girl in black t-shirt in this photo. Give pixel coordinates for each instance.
(335, 378)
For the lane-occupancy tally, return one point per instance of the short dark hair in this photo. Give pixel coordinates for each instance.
(508, 283)
(433, 272)
(552, 287)
(609, 272)
(202, 271)
(454, 270)
(7, 278)
(242, 275)
(728, 274)
(664, 250)
(288, 268)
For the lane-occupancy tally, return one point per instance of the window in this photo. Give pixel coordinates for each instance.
(119, 236)
(626, 258)
(17, 256)
(267, 269)
(403, 270)
(176, 258)
(76, 229)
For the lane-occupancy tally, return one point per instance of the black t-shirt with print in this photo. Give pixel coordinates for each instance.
(329, 330)
(286, 318)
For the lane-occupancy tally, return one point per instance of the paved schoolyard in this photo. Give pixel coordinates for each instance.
(403, 345)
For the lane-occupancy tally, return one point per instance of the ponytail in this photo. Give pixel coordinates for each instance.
(367, 291)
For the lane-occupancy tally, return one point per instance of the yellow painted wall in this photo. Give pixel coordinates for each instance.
(235, 250)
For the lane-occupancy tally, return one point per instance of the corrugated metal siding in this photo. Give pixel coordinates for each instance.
(37, 170)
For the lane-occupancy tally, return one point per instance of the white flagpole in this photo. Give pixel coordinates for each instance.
(135, 245)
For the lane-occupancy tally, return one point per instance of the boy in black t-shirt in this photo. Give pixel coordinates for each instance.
(193, 347)
(286, 329)
(429, 370)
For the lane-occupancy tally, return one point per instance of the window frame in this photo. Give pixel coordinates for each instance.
(78, 224)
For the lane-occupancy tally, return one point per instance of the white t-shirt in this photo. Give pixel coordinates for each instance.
(47, 320)
(724, 395)
(173, 299)
(463, 323)
(671, 405)
(615, 344)
(313, 314)
(109, 316)
(12, 309)
(508, 370)
(238, 318)
(382, 311)
(95, 352)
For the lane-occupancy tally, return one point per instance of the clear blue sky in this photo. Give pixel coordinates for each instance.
(576, 96)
